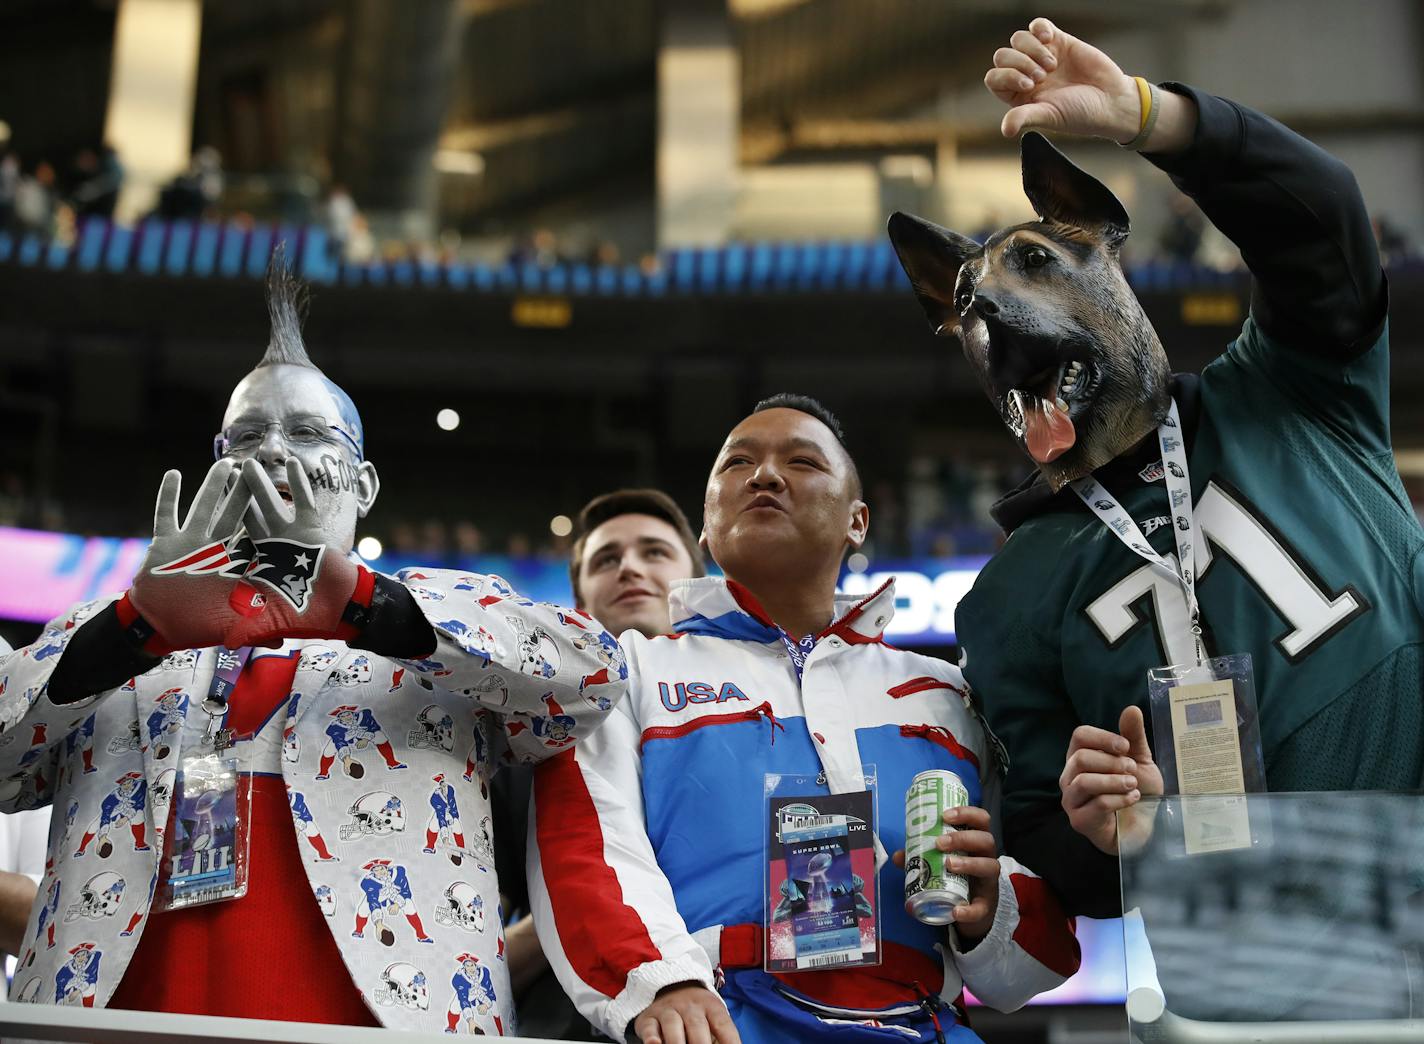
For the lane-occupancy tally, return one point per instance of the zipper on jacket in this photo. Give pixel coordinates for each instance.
(674, 731)
(940, 735)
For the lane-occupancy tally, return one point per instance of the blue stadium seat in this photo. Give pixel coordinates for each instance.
(234, 249)
(91, 243)
(180, 241)
(259, 250)
(150, 245)
(57, 255)
(205, 249)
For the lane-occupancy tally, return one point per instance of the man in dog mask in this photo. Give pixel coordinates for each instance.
(263, 684)
(1300, 544)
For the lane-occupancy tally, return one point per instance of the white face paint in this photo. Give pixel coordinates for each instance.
(284, 411)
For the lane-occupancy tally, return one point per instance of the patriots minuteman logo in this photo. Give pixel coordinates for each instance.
(286, 566)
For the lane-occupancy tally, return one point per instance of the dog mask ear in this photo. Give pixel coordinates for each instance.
(931, 257)
(1061, 192)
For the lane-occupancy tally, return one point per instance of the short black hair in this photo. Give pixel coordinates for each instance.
(652, 502)
(814, 408)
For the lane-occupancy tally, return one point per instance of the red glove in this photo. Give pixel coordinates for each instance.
(181, 597)
(304, 588)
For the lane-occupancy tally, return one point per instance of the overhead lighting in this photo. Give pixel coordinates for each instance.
(456, 161)
(369, 548)
(447, 420)
(561, 525)
(857, 563)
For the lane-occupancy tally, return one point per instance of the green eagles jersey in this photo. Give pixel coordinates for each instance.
(1312, 565)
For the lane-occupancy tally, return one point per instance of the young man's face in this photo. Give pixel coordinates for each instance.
(628, 563)
(782, 490)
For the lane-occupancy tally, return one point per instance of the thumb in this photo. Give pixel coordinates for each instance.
(1134, 729)
(1039, 115)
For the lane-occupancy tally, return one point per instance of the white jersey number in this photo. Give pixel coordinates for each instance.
(1268, 562)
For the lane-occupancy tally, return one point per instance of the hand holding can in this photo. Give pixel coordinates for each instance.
(951, 856)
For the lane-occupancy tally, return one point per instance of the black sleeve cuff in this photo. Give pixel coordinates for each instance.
(1220, 131)
(394, 624)
(101, 655)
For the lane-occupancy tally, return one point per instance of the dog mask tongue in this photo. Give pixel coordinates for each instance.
(1048, 433)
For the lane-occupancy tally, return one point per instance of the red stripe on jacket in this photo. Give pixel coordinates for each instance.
(603, 937)
(1044, 932)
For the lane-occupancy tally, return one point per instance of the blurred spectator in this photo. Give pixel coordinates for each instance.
(518, 545)
(195, 193)
(1181, 236)
(34, 200)
(468, 539)
(338, 216)
(99, 176)
(9, 187)
(434, 541)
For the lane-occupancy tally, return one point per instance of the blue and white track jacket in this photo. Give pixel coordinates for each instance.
(648, 867)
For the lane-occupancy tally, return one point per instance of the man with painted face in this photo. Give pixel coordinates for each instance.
(1270, 473)
(348, 701)
(649, 873)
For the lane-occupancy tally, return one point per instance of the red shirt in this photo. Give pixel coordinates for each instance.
(270, 954)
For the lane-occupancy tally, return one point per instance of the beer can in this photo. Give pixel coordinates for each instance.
(931, 891)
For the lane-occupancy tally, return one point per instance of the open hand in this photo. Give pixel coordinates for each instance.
(184, 585)
(1053, 81)
(1106, 772)
(687, 1013)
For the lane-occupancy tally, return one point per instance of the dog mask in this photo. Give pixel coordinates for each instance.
(1046, 318)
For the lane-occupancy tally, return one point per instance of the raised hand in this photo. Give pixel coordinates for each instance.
(184, 586)
(1106, 772)
(1053, 81)
(306, 584)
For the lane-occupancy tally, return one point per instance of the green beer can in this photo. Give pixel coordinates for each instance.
(931, 892)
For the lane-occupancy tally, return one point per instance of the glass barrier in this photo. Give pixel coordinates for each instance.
(1306, 928)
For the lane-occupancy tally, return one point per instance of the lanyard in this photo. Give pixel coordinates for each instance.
(1184, 525)
(230, 665)
(798, 650)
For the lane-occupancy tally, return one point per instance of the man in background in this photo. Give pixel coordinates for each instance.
(629, 546)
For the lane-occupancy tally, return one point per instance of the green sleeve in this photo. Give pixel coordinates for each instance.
(1350, 396)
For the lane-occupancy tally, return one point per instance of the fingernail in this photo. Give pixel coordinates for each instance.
(1134, 795)
(944, 842)
(950, 815)
(955, 864)
(1038, 74)
(1130, 782)
(1025, 84)
(1121, 745)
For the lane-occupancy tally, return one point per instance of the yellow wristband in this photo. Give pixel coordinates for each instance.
(1144, 95)
(1147, 95)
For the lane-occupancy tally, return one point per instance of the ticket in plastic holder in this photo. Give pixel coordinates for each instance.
(822, 908)
(205, 848)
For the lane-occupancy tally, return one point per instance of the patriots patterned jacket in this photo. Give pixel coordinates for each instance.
(510, 680)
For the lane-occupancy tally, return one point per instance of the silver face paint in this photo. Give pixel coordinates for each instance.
(280, 412)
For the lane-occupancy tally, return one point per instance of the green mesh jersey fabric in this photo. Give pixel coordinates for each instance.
(1311, 563)
(1367, 739)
